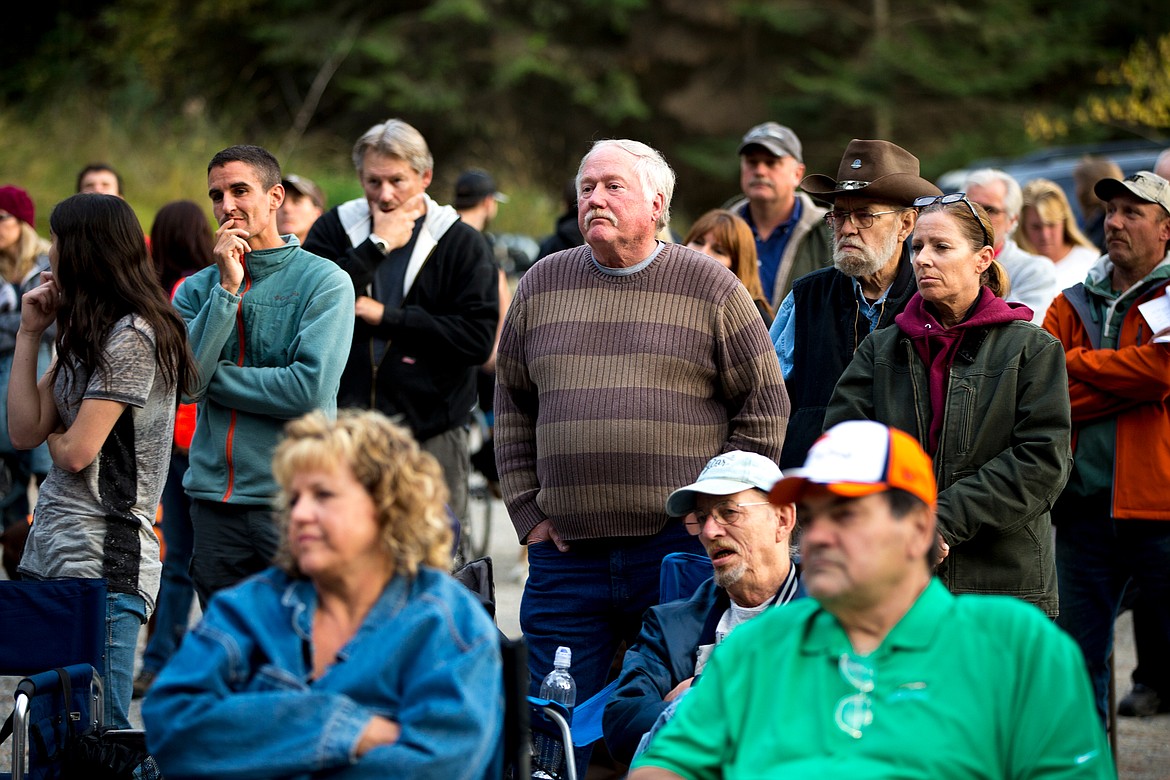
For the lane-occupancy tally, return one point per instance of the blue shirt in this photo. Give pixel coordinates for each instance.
(783, 330)
(769, 250)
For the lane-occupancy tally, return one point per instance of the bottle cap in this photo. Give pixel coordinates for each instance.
(564, 657)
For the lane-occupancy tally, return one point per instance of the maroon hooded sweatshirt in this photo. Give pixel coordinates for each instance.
(937, 346)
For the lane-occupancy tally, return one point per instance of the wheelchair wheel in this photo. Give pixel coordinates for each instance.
(476, 531)
(477, 526)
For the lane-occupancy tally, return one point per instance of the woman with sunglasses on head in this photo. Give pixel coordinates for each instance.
(985, 393)
(106, 408)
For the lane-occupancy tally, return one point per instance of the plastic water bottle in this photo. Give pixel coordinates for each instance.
(558, 686)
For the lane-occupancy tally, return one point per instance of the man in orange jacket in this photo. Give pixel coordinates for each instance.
(1113, 518)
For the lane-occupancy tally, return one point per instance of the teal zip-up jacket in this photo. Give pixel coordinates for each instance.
(294, 316)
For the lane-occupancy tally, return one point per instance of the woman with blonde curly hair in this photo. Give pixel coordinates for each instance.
(357, 653)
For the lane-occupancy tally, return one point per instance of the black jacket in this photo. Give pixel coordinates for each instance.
(436, 340)
(829, 328)
(566, 236)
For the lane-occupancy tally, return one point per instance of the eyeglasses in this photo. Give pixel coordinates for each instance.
(724, 514)
(855, 710)
(955, 197)
(859, 219)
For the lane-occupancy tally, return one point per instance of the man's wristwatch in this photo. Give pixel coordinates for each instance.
(381, 243)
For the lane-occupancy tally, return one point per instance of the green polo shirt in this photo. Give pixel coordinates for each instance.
(963, 687)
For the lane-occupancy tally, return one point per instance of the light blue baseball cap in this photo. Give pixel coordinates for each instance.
(725, 474)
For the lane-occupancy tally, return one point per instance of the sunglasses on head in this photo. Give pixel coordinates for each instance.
(946, 200)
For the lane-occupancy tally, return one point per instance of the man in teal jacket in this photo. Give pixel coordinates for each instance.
(270, 326)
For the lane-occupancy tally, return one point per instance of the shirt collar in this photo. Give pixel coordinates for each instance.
(633, 269)
(861, 296)
(823, 635)
(783, 227)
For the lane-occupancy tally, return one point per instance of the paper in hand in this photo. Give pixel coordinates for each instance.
(1157, 316)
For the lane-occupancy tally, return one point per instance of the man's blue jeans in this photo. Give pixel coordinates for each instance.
(125, 614)
(1096, 558)
(590, 599)
(176, 592)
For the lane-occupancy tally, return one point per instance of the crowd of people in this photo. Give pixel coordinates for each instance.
(917, 439)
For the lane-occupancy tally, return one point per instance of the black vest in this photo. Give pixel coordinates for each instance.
(829, 328)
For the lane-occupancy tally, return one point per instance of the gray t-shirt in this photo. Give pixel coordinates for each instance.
(99, 521)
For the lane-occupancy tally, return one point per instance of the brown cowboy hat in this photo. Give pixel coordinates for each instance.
(878, 170)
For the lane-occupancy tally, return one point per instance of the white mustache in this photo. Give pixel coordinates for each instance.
(600, 214)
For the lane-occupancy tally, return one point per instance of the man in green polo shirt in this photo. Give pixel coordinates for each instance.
(883, 672)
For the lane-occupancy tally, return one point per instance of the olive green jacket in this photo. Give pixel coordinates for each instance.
(1003, 455)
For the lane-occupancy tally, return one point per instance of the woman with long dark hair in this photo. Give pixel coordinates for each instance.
(180, 244)
(106, 407)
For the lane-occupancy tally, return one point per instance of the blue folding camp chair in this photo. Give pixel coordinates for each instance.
(681, 575)
(53, 636)
(578, 728)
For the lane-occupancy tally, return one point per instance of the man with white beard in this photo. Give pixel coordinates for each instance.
(749, 542)
(829, 312)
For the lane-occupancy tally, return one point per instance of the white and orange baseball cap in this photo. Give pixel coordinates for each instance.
(859, 458)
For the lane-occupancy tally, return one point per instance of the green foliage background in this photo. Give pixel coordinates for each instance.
(522, 87)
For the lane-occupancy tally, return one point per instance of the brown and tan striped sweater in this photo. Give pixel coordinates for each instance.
(614, 391)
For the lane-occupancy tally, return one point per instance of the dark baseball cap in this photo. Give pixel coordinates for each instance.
(305, 187)
(776, 138)
(473, 186)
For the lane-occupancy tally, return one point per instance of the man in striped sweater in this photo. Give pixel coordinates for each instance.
(624, 366)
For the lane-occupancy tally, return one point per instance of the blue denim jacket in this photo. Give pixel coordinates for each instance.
(237, 699)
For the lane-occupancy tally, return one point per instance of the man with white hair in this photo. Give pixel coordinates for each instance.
(427, 303)
(1032, 277)
(829, 312)
(624, 366)
(749, 543)
(882, 672)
